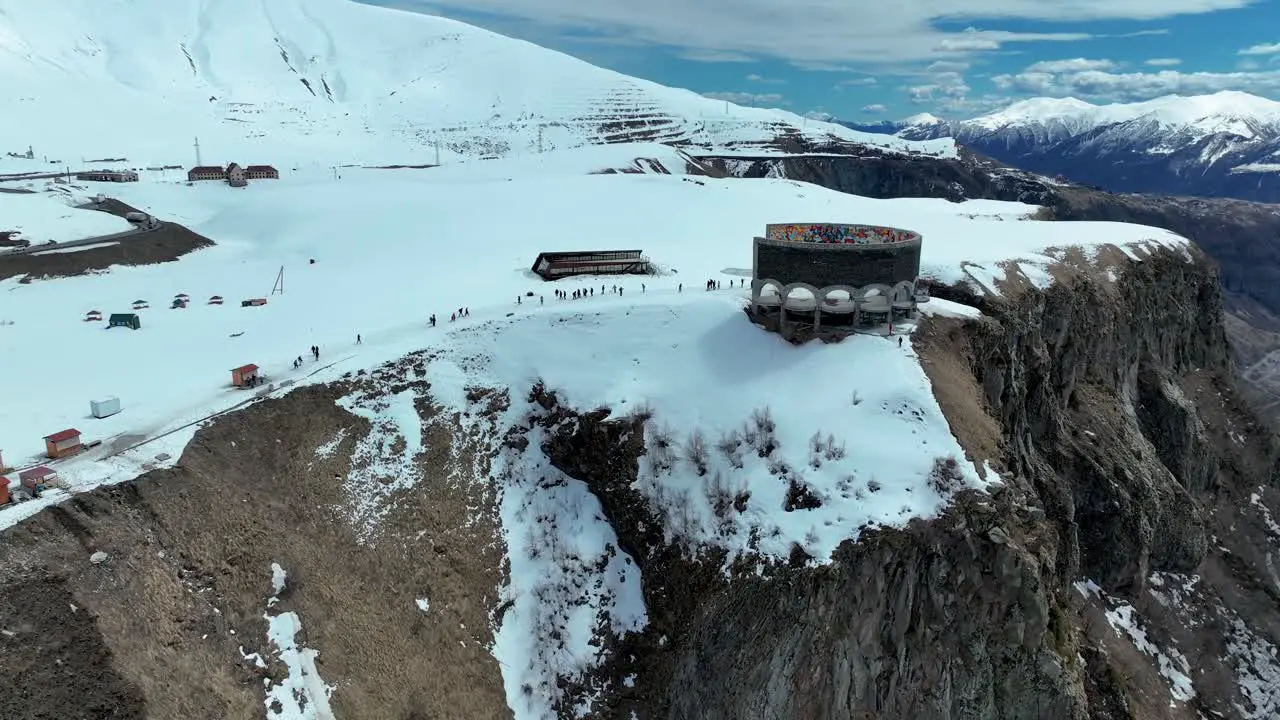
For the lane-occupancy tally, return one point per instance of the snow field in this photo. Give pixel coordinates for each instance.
(391, 249)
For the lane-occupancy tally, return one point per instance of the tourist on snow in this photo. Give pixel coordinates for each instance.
(357, 338)
(452, 317)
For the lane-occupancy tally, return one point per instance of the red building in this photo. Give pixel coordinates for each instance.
(242, 375)
(4, 490)
(261, 172)
(206, 172)
(62, 444)
(37, 478)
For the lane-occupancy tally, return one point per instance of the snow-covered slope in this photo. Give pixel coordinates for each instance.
(1224, 144)
(326, 82)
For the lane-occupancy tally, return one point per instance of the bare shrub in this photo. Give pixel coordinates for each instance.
(946, 477)
(642, 412)
(764, 431)
(855, 398)
(730, 446)
(695, 451)
(832, 450)
(721, 497)
(661, 455)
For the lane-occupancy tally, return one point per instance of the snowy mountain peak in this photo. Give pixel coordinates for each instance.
(333, 81)
(923, 119)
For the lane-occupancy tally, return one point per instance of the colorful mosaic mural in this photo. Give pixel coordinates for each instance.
(832, 234)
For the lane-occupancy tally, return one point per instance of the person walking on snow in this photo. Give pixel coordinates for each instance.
(453, 316)
(642, 287)
(899, 341)
(357, 338)
(519, 301)
(541, 300)
(680, 287)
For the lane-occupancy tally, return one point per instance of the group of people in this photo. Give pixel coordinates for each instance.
(715, 284)
(315, 353)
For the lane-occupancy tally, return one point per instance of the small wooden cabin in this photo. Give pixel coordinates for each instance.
(129, 320)
(253, 302)
(241, 376)
(555, 265)
(62, 443)
(37, 478)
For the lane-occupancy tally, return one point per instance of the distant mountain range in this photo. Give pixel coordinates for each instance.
(1221, 145)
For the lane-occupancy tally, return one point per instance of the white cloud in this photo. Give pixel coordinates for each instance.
(857, 82)
(941, 87)
(942, 66)
(756, 78)
(750, 99)
(1069, 66)
(1262, 49)
(1137, 85)
(874, 109)
(715, 56)
(817, 31)
(1164, 62)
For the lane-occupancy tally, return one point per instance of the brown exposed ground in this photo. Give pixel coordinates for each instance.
(158, 629)
(165, 244)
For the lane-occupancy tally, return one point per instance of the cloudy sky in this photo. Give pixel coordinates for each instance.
(886, 59)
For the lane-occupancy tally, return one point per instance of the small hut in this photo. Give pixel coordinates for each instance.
(62, 443)
(37, 478)
(253, 302)
(93, 316)
(129, 320)
(244, 375)
(141, 305)
(215, 300)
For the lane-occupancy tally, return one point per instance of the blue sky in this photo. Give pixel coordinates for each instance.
(867, 60)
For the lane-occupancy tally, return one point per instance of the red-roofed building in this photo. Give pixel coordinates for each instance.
(206, 172)
(4, 490)
(261, 172)
(63, 443)
(37, 478)
(244, 374)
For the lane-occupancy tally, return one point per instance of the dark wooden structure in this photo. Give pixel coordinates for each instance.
(129, 320)
(556, 265)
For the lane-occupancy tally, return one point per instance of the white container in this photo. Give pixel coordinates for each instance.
(106, 407)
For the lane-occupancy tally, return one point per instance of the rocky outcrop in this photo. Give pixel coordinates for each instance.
(1122, 443)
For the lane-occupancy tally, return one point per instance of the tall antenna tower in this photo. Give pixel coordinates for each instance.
(279, 286)
(199, 162)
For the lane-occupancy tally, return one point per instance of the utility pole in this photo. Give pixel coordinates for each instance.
(437, 152)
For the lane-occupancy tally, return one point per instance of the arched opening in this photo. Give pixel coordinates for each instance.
(768, 293)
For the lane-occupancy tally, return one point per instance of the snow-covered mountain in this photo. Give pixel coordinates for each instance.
(1221, 145)
(331, 81)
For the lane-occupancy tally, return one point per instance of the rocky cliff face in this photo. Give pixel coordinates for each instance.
(1129, 467)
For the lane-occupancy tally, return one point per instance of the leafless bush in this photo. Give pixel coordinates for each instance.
(821, 448)
(720, 495)
(833, 450)
(945, 477)
(855, 398)
(695, 451)
(730, 445)
(661, 455)
(643, 411)
(763, 431)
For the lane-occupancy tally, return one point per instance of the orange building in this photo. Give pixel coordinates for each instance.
(243, 374)
(62, 444)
